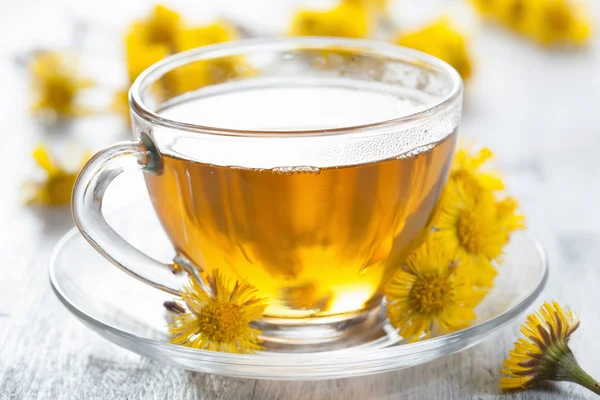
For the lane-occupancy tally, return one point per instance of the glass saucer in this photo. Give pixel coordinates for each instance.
(130, 314)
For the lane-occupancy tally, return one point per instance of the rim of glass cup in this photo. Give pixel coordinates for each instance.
(244, 46)
(302, 361)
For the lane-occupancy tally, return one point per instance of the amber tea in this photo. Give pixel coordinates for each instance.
(317, 241)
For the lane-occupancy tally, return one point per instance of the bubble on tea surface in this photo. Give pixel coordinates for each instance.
(249, 169)
(412, 154)
(296, 170)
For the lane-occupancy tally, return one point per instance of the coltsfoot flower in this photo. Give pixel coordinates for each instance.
(549, 22)
(164, 33)
(346, 20)
(443, 40)
(120, 105)
(471, 220)
(206, 72)
(557, 21)
(467, 167)
(543, 353)
(431, 294)
(218, 320)
(56, 189)
(57, 84)
(161, 27)
(375, 4)
(475, 227)
(150, 40)
(218, 32)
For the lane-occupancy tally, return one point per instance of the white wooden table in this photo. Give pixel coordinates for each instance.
(539, 110)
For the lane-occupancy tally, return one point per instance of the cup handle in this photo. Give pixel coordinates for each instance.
(89, 189)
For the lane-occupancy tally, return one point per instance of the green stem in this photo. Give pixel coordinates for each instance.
(584, 379)
(571, 371)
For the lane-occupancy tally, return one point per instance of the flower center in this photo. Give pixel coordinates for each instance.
(558, 19)
(471, 231)
(60, 93)
(430, 293)
(516, 9)
(59, 188)
(221, 322)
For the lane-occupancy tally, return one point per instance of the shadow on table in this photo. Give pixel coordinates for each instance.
(56, 220)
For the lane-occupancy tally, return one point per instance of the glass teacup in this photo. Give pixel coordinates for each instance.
(309, 166)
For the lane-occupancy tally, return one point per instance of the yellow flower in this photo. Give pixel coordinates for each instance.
(476, 227)
(467, 172)
(201, 73)
(432, 294)
(375, 5)
(543, 353)
(218, 32)
(483, 6)
(467, 167)
(219, 320)
(546, 21)
(161, 27)
(471, 219)
(57, 188)
(141, 54)
(346, 20)
(441, 39)
(508, 12)
(151, 40)
(57, 83)
(507, 215)
(188, 78)
(557, 21)
(163, 34)
(120, 105)
(511, 13)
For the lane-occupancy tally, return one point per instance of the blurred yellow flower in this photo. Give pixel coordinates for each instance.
(432, 294)
(160, 28)
(188, 78)
(483, 6)
(141, 55)
(201, 73)
(548, 22)
(375, 5)
(218, 320)
(58, 185)
(120, 105)
(219, 32)
(557, 21)
(56, 83)
(543, 353)
(151, 40)
(346, 20)
(511, 13)
(441, 39)
(472, 221)
(164, 33)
